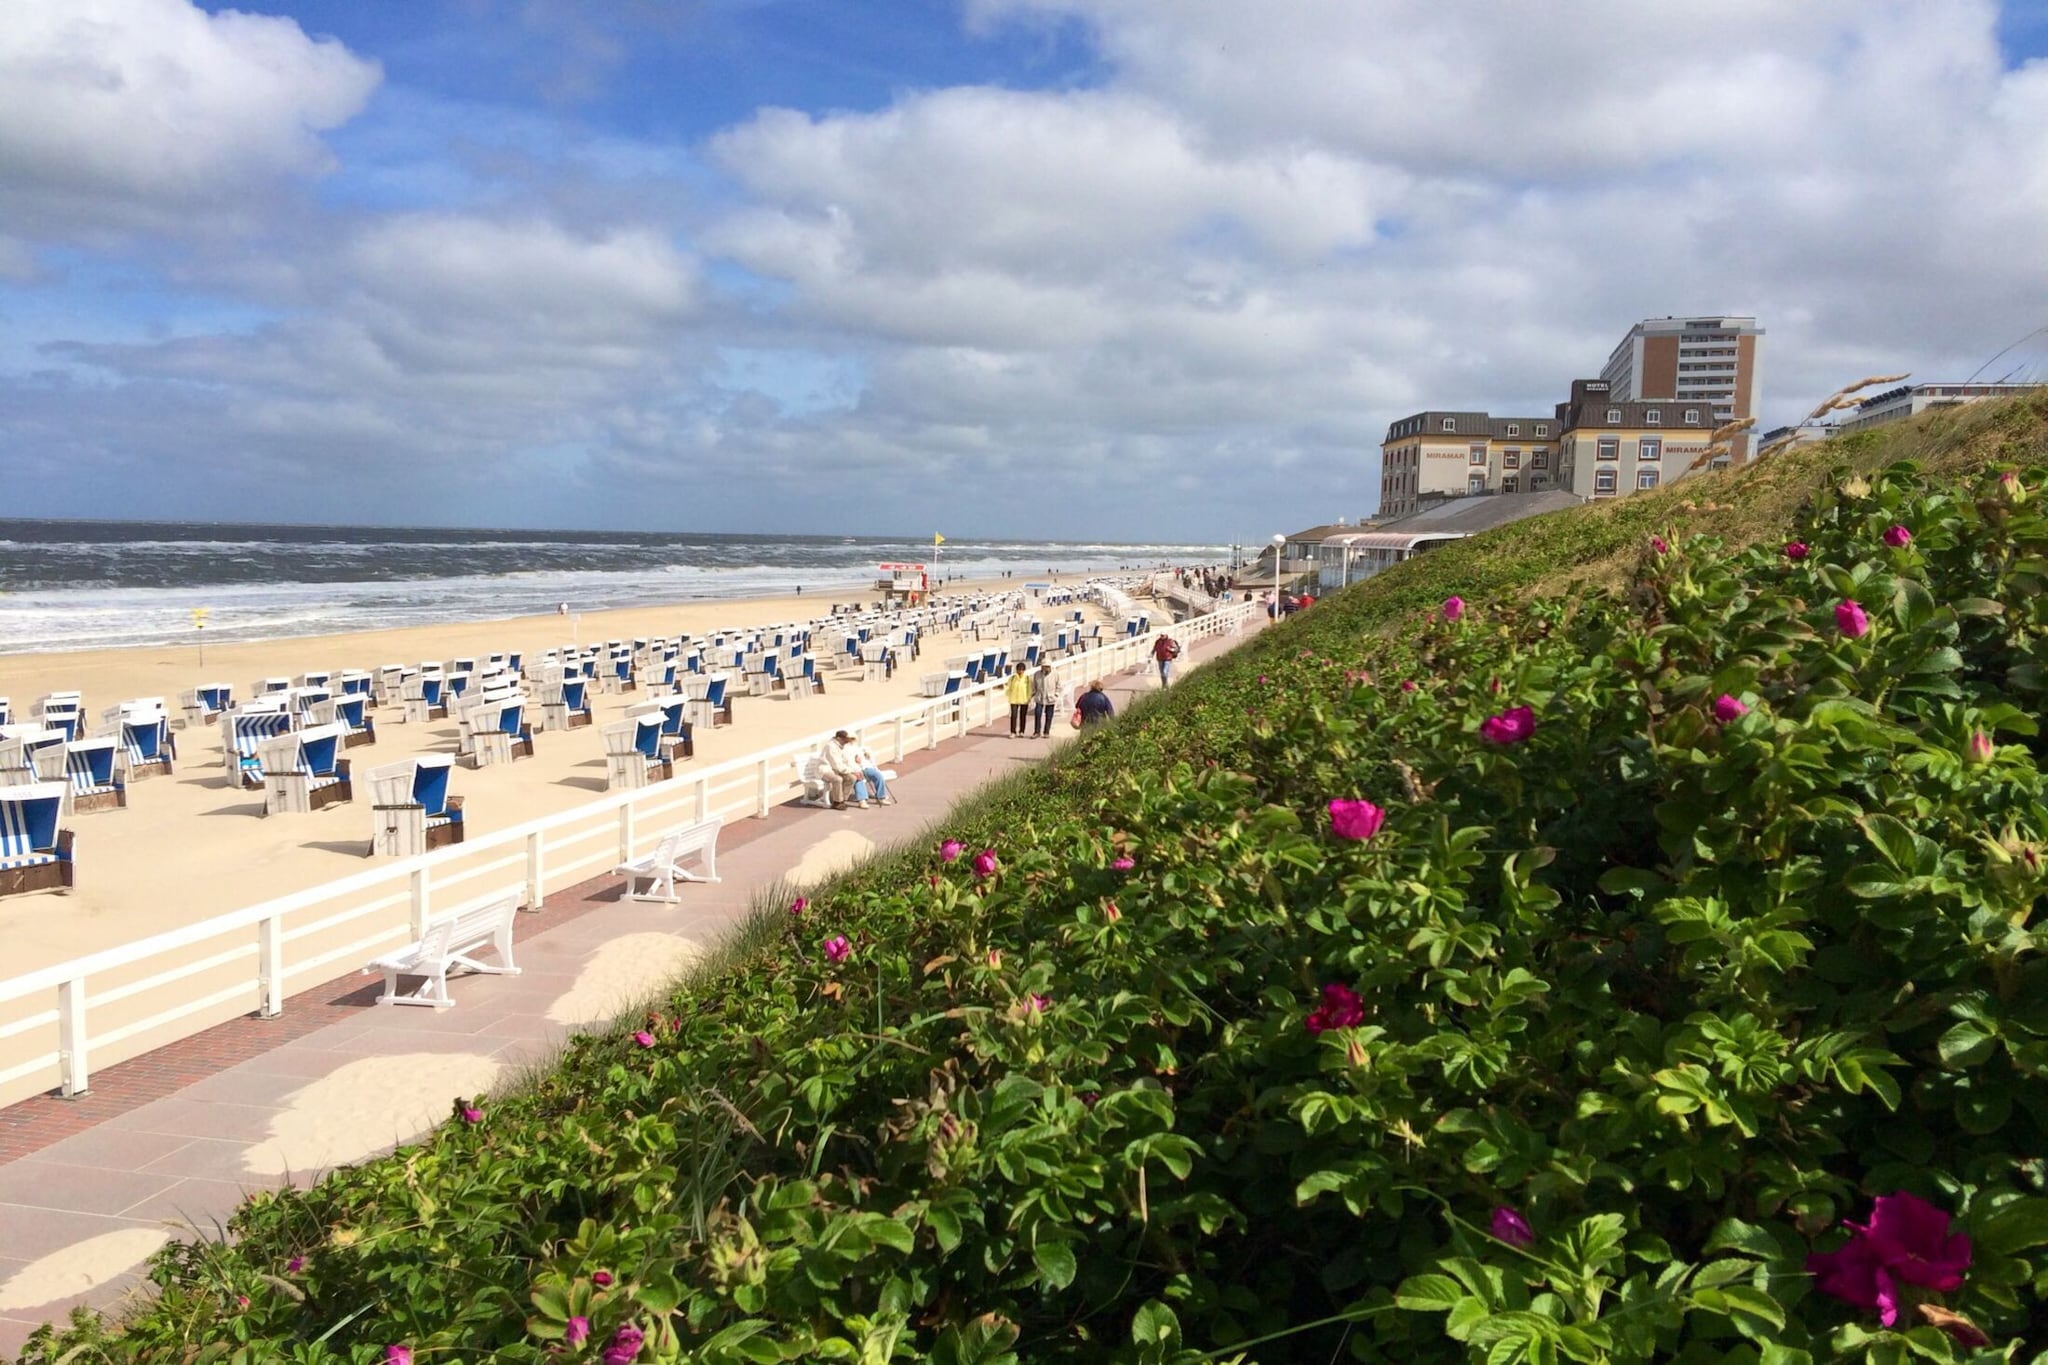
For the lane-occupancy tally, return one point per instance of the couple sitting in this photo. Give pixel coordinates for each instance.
(847, 768)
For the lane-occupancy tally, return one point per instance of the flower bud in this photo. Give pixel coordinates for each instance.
(1979, 750)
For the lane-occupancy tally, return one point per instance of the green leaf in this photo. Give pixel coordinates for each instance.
(1966, 1044)
(1154, 1324)
(2013, 1227)
(1428, 1293)
(1055, 1262)
(1732, 1234)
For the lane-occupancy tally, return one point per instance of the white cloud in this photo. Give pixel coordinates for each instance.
(124, 114)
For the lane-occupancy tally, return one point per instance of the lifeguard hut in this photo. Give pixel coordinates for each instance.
(907, 581)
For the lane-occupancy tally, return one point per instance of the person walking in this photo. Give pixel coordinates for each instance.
(1165, 650)
(1045, 700)
(1095, 706)
(1017, 692)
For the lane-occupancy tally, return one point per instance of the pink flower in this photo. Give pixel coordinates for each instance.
(1262, 679)
(472, 1114)
(1727, 708)
(1906, 1241)
(1658, 545)
(1795, 550)
(294, 1265)
(398, 1355)
(995, 958)
(1407, 684)
(1110, 912)
(985, 863)
(1355, 819)
(1039, 1004)
(951, 850)
(644, 1038)
(601, 1278)
(624, 1347)
(577, 1332)
(1124, 864)
(1509, 727)
(241, 1300)
(1510, 1227)
(1980, 749)
(1454, 607)
(799, 905)
(837, 949)
(1852, 620)
(1342, 1007)
(1898, 537)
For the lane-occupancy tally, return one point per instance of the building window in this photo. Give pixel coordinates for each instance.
(1476, 453)
(1539, 459)
(1537, 483)
(1610, 448)
(1510, 484)
(1476, 484)
(1646, 478)
(1543, 428)
(1450, 424)
(1603, 483)
(1511, 460)
(1653, 418)
(1649, 449)
(1613, 416)
(1514, 428)
(1692, 417)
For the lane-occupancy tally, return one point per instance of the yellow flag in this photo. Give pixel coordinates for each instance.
(938, 539)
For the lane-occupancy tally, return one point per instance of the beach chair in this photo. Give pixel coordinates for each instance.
(933, 684)
(676, 740)
(356, 682)
(413, 809)
(304, 771)
(147, 749)
(92, 773)
(878, 662)
(566, 705)
(389, 684)
(20, 746)
(664, 867)
(265, 686)
(709, 704)
(352, 714)
(65, 717)
(6, 711)
(424, 699)
(317, 677)
(206, 703)
(244, 733)
(633, 756)
(35, 855)
(452, 940)
(618, 673)
(498, 732)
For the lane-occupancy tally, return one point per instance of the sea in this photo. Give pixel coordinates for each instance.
(104, 585)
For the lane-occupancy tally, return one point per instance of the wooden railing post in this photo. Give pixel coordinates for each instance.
(761, 797)
(626, 833)
(536, 871)
(422, 895)
(270, 978)
(71, 1035)
(899, 738)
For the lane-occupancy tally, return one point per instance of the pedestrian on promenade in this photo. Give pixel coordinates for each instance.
(1044, 700)
(1017, 692)
(1094, 707)
(1165, 650)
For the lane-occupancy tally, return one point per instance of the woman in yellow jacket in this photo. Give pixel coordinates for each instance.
(1017, 692)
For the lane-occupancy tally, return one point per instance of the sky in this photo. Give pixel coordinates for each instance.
(1124, 269)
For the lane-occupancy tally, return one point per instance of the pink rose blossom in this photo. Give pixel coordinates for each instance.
(644, 1038)
(951, 850)
(1509, 727)
(1906, 1241)
(1124, 864)
(1898, 537)
(799, 905)
(1659, 545)
(625, 1346)
(1510, 1227)
(1454, 607)
(294, 1265)
(837, 949)
(1342, 1007)
(398, 1355)
(1795, 550)
(985, 863)
(1407, 684)
(472, 1114)
(1727, 708)
(1355, 819)
(601, 1278)
(577, 1332)
(1852, 620)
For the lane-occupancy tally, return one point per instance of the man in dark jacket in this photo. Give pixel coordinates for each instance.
(1095, 705)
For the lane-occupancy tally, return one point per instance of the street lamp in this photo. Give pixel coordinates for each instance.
(1279, 543)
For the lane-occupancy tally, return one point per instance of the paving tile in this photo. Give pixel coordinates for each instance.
(37, 1183)
(115, 1149)
(211, 1159)
(28, 1233)
(201, 1205)
(194, 1118)
(395, 1042)
(260, 1089)
(296, 1061)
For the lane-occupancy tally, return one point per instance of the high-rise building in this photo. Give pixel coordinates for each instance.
(1705, 360)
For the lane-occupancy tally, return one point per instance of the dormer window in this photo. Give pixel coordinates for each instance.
(1514, 428)
(1653, 418)
(1543, 428)
(1450, 424)
(1692, 417)
(1614, 417)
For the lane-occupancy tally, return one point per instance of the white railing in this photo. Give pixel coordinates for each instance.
(118, 1003)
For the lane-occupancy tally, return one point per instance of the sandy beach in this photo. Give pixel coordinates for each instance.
(192, 845)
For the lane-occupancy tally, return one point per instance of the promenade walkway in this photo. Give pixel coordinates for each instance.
(167, 1145)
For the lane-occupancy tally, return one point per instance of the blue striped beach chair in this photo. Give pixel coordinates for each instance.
(147, 748)
(35, 855)
(355, 682)
(244, 733)
(30, 753)
(633, 753)
(207, 703)
(676, 739)
(352, 714)
(497, 731)
(6, 711)
(304, 771)
(93, 774)
(415, 812)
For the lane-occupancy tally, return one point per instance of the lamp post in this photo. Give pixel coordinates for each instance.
(1279, 545)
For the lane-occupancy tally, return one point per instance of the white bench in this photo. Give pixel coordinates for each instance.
(452, 940)
(662, 868)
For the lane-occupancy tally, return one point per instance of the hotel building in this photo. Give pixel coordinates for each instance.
(1455, 453)
(1609, 447)
(1707, 361)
